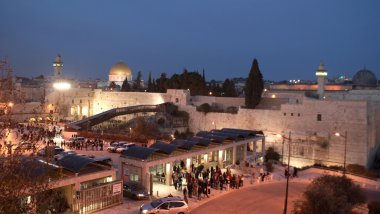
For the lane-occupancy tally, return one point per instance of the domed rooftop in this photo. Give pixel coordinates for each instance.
(364, 78)
(120, 69)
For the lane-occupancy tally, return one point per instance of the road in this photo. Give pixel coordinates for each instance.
(265, 198)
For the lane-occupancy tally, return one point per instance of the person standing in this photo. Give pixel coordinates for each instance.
(190, 188)
(200, 189)
(185, 195)
(195, 187)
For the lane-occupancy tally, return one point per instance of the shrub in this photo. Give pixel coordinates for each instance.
(269, 166)
(271, 155)
(374, 207)
(330, 194)
(205, 107)
(232, 109)
(161, 121)
(356, 169)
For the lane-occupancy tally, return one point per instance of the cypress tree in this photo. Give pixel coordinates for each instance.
(150, 85)
(125, 86)
(254, 86)
(203, 75)
(137, 83)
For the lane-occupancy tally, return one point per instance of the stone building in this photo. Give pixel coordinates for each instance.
(119, 72)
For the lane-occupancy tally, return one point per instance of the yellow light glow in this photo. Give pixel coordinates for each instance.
(62, 85)
(85, 110)
(273, 96)
(319, 73)
(337, 134)
(10, 104)
(188, 163)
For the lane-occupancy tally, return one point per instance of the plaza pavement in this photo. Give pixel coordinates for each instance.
(306, 176)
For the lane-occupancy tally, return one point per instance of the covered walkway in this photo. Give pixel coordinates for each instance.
(217, 148)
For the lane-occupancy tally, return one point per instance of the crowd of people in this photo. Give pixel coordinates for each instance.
(200, 181)
(27, 133)
(82, 144)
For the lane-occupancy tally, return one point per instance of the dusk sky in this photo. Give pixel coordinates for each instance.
(289, 38)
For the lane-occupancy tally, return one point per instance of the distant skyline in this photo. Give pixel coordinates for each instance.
(289, 38)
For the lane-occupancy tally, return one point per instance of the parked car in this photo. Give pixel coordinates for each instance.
(124, 147)
(50, 151)
(63, 154)
(25, 146)
(134, 190)
(165, 205)
(113, 147)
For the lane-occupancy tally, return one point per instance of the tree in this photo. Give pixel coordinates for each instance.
(125, 86)
(145, 130)
(271, 155)
(254, 86)
(26, 185)
(229, 89)
(162, 83)
(374, 207)
(112, 85)
(330, 194)
(137, 82)
(150, 84)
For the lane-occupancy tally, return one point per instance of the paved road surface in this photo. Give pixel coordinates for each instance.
(266, 198)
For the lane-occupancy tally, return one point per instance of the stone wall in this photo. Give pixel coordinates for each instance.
(312, 122)
(312, 140)
(222, 102)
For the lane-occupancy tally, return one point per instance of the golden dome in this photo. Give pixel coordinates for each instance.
(120, 69)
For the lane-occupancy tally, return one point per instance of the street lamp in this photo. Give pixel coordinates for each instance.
(345, 149)
(287, 176)
(9, 111)
(213, 123)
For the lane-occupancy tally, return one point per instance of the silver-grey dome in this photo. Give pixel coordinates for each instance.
(364, 78)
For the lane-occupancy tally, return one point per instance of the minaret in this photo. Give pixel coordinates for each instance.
(321, 74)
(58, 67)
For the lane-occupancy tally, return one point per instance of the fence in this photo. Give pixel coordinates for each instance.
(97, 198)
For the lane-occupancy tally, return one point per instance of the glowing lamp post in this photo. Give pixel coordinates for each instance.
(345, 149)
(287, 177)
(61, 86)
